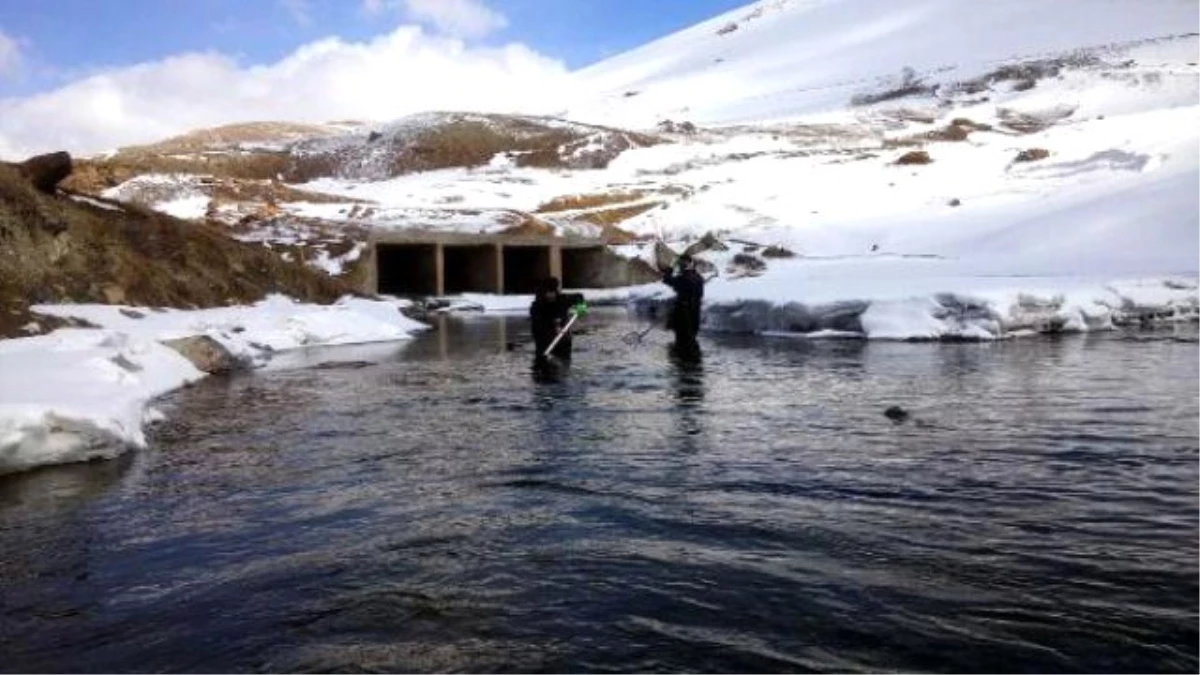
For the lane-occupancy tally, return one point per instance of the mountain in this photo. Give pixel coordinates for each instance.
(789, 58)
(944, 154)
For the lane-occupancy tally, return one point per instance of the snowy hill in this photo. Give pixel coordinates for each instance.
(790, 58)
(1047, 139)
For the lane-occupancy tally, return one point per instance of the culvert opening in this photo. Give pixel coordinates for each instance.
(471, 269)
(524, 268)
(406, 269)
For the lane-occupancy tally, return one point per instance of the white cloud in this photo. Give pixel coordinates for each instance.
(299, 10)
(460, 18)
(396, 74)
(469, 19)
(10, 55)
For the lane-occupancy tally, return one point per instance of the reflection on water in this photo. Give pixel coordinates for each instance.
(441, 506)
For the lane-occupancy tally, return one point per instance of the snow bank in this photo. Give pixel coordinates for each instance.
(929, 299)
(515, 304)
(81, 394)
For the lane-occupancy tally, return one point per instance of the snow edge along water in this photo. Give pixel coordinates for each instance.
(79, 394)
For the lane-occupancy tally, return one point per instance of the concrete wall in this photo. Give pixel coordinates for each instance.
(598, 267)
(434, 264)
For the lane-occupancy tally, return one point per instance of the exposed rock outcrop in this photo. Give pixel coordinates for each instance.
(208, 355)
(47, 171)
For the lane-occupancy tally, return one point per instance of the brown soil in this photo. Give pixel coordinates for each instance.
(54, 249)
(576, 202)
(616, 215)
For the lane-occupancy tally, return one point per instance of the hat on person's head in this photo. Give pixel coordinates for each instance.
(549, 285)
(686, 260)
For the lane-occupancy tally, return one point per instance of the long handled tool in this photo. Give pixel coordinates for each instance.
(561, 333)
(635, 337)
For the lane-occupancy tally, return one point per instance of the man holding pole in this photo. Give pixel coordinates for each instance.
(551, 316)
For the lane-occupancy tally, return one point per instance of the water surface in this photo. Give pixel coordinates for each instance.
(434, 507)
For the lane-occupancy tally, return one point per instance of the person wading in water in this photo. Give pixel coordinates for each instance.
(689, 296)
(549, 313)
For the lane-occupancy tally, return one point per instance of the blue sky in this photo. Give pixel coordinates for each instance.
(92, 75)
(102, 34)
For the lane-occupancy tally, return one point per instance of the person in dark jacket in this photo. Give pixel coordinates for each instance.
(689, 296)
(550, 311)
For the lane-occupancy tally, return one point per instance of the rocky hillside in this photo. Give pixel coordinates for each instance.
(447, 140)
(242, 178)
(61, 246)
(297, 153)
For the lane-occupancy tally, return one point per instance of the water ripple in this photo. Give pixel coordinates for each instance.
(753, 512)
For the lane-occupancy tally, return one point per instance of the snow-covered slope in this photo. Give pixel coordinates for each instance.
(788, 58)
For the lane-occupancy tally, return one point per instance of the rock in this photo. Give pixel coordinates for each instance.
(54, 226)
(777, 252)
(747, 264)
(671, 127)
(132, 314)
(956, 202)
(914, 157)
(113, 294)
(709, 242)
(664, 257)
(1032, 155)
(208, 355)
(47, 171)
(896, 414)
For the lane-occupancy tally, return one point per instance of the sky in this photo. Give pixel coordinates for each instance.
(91, 75)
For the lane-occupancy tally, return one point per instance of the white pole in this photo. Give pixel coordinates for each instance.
(561, 333)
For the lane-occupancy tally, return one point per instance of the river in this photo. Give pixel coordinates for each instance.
(433, 506)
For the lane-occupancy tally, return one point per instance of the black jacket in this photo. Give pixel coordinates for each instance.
(688, 286)
(547, 318)
(689, 296)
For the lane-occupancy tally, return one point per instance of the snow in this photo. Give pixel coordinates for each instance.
(80, 394)
(187, 208)
(509, 304)
(179, 195)
(892, 297)
(66, 396)
(335, 265)
(790, 58)
(84, 199)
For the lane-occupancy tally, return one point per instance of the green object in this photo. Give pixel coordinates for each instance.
(580, 309)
